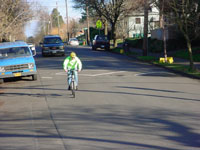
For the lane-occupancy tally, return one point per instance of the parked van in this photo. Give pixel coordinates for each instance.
(16, 60)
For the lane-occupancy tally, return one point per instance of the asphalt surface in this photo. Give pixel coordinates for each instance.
(121, 104)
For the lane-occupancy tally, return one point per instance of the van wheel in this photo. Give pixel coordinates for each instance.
(1, 81)
(34, 77)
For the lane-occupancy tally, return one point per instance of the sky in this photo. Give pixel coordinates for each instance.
(51, 4)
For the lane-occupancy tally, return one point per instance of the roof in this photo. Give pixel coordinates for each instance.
(12, 44)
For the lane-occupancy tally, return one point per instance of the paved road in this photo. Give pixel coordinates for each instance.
(121, 104)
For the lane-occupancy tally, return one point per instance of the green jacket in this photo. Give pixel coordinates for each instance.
(70, 63)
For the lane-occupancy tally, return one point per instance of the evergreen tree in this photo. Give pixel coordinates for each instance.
(57, 19)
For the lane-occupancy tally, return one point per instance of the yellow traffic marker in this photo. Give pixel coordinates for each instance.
(121, 51)
(170, 60)
(162, 60)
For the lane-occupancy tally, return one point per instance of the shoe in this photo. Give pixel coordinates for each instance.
(69, 88)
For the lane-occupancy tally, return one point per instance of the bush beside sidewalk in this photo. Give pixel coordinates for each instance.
(179, 66)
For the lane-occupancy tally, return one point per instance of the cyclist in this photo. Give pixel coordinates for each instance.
(72, 62)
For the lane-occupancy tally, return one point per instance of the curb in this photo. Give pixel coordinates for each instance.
(177, 72)
(169, 69)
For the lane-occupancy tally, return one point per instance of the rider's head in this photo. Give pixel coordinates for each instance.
(72, 54)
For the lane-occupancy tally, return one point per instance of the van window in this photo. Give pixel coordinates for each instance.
(14, 52)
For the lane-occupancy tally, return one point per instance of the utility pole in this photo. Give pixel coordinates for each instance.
(58, 19)
(164, 32)
(51, 24)
(145, 38)
(67, 20)
(88, 26)
(106, 27)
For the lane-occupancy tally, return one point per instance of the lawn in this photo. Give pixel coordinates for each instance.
(185, 54)
(177, 67)
(173, 66)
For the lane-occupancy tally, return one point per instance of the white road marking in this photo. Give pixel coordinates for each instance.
(101, 74)
(47, 77)
(92, 75)
(61, 73)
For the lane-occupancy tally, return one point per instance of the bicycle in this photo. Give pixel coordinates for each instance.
(72, 84)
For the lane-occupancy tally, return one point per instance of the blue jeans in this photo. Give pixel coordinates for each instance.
(75, 77)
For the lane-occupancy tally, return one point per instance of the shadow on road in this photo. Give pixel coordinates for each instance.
(104, 119)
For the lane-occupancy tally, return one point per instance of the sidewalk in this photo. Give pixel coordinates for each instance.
(158, 55)
(180, 61)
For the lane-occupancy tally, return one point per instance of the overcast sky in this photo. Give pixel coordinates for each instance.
(51, 4)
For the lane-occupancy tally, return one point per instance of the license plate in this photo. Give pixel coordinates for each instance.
(102, 46)
(54, 52)
(17, 74)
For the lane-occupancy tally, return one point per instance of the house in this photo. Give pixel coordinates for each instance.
(135, 22)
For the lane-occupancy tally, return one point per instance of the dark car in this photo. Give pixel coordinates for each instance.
(100, 41)
(52, 45)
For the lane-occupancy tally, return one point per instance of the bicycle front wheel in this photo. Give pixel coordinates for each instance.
(73, 88)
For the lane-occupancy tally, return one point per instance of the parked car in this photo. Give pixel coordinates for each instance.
(73, 41)
(32, 47)
(100, 41)
(16, 60)
(52, 45)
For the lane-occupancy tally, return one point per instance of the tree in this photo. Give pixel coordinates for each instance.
(164, 9)
(13, 17)
(186, 14)
(84, 5)
(57, 19)
(73, 27)
(44, 25)
(111, 10)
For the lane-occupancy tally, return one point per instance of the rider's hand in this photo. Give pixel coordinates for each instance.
(79, 70)
(66, 70)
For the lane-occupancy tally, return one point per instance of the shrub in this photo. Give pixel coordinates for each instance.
(147, 58)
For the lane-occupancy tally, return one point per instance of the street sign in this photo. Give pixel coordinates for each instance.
(98, 24)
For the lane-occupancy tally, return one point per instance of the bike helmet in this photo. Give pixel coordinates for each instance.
(72, 54)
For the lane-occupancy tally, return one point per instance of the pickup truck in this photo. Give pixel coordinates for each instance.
(16, 60)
